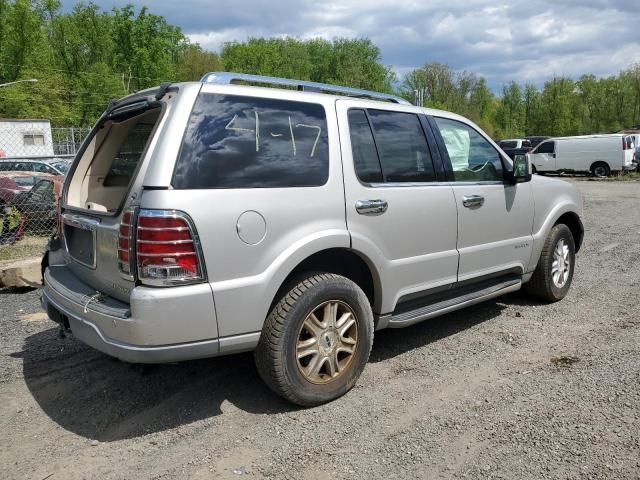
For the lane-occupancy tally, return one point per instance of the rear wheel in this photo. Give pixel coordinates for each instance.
(552, 279)
(600, 169)
(316, 341)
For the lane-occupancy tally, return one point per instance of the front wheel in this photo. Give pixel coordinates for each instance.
(554, 272)
(316, 341)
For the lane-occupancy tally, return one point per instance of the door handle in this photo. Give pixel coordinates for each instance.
(473, 201)
(371, 207)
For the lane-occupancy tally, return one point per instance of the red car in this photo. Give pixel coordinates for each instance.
(13, 183)
(19, 207)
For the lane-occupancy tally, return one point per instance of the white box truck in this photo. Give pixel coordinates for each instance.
(599, 154)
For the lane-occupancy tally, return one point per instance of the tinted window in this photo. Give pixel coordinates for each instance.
(6, 166)
(508, 144)
(126, 161)
(473, 158)
(403, 149)
(545, 147)
(365, 156)
(246, 142)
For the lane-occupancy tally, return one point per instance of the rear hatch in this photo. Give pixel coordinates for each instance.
(103, 183)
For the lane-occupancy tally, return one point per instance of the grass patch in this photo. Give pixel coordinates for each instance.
(29, 246)
(626, 177)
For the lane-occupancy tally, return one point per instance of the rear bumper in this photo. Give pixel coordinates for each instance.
(88, 333)
(155, 328)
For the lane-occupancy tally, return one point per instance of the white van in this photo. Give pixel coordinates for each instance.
(599, 154)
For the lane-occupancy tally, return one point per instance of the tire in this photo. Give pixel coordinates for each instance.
(600, 170)
(547, 283)
(290, 328)
(534, 170)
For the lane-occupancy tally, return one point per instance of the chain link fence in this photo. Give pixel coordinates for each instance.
(34, 159)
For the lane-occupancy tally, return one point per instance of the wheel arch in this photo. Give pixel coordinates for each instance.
(572, 220)
(341, 261)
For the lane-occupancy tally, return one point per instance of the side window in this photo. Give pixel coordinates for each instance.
(402, 145)
(42, 168)
(508, 144)
(545, 147)
(6, 166)
(473, 158)
(365, 156)
(235, 141)
(43, 190)
(30, 139)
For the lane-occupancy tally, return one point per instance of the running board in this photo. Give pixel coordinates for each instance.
(411, 317)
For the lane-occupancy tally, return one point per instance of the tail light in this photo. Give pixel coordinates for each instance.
(167, 249)
(125, 244)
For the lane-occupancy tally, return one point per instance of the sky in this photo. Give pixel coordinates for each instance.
(526, 41)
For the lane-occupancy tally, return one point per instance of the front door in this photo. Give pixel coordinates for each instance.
(494, 217)
(544, 157)
(400, 212)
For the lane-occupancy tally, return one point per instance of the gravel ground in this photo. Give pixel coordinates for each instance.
(507, 389)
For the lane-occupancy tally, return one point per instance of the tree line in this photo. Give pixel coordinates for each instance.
(85, 57)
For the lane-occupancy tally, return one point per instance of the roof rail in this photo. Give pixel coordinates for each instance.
(226, 78)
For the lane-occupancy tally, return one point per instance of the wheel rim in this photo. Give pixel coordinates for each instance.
(327, 342)
(600, 171)
(561, 266)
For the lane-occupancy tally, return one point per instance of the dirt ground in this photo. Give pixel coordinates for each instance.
(508, 389)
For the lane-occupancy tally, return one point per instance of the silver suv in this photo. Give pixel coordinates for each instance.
(209, 218)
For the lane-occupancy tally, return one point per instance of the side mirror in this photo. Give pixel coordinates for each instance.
(521, 169)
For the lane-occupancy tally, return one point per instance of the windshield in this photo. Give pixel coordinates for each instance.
(23, 181)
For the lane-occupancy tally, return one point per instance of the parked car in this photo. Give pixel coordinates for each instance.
(39, 206)
(13, 183)
(53, 166)
(536, 140)
(228, 218)
(599, 154)
(515, 146)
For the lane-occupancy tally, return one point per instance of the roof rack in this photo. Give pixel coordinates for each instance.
(226, 78)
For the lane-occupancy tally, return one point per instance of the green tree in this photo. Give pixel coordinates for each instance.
(194, 62)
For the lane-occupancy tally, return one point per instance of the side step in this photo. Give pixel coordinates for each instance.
(405, 319)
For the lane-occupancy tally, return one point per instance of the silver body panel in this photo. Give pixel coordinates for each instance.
(414, 238)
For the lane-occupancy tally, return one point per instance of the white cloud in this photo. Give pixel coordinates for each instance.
(523, 40)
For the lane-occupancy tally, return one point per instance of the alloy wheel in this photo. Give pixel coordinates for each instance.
(561, 266)
(327, 342)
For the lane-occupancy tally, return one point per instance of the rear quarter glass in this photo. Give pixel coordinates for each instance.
(247, 142)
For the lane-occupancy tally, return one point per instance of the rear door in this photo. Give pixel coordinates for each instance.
(495, 217)
(400, 211)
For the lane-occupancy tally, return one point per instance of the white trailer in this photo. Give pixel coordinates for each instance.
(25, 138)
(599, 154)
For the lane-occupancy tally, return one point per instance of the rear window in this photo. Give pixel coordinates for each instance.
(508, 144)
(246, 142)
(128, 156)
